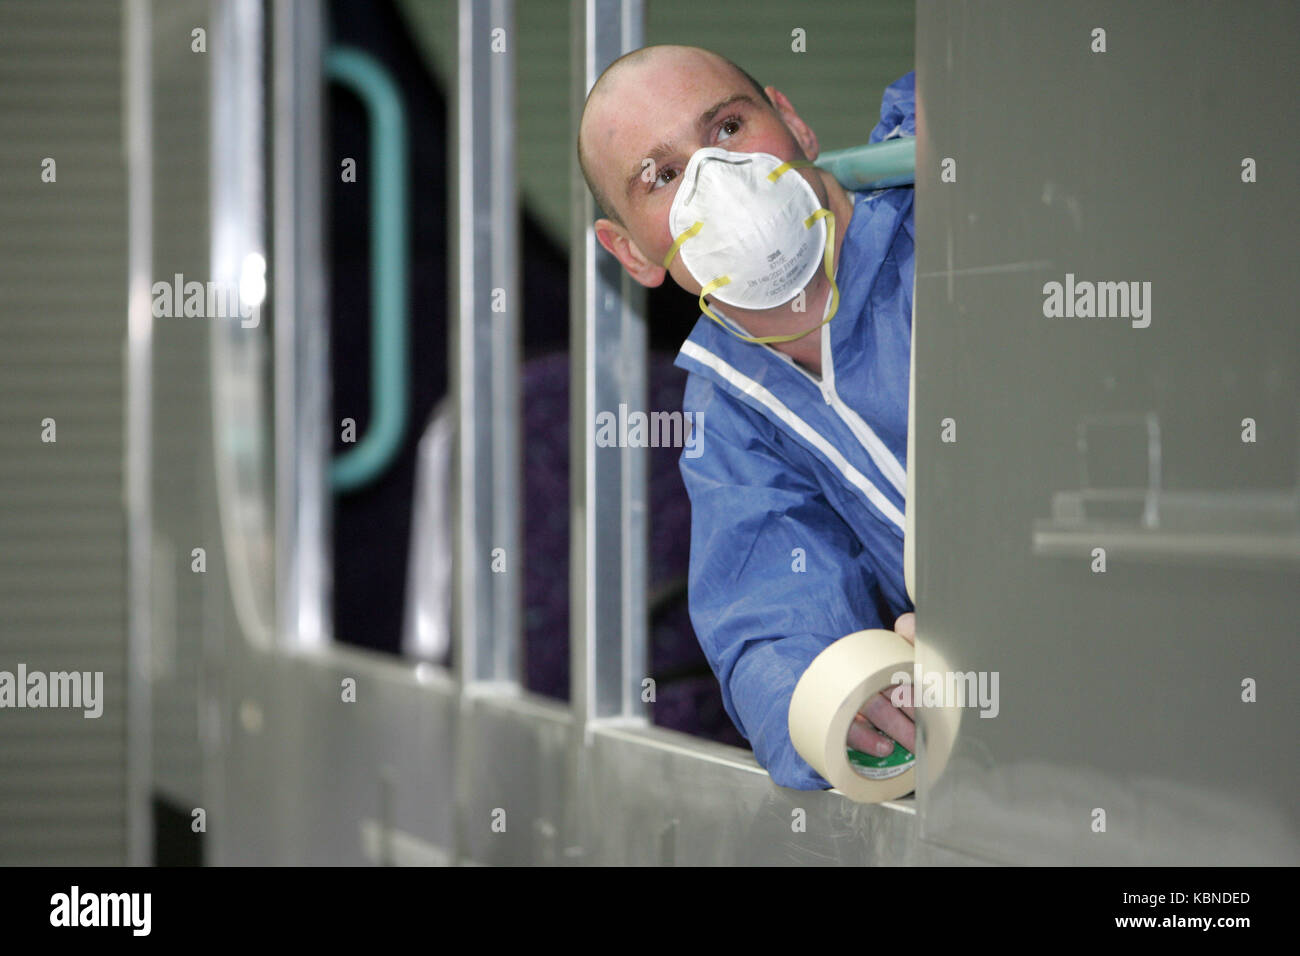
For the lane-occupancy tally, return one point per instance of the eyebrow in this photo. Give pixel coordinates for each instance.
(667, 148)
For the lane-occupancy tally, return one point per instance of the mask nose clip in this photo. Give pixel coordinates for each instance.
(704, 158)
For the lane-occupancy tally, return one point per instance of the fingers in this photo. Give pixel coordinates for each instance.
(900, 695)
(889, 715)
(865, 738)
(888, 718)
(877, 715)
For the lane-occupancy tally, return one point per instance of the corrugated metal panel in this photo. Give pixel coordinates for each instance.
(62, 326)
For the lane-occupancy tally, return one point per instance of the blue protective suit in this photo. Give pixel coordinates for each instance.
(799, 474)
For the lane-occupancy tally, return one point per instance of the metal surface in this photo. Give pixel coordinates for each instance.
(486, 348)
(654, 797)
(181, 452)
(242, 408)
(69, 786)
(302, 445)
(312, 779)
(511, 785)
(342, 782)
(1121, 690)
(608, 491)
(426, 621)
(139, 429)
(242, 689)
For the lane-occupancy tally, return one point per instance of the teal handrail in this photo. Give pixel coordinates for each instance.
(389, 275)
(891, 162)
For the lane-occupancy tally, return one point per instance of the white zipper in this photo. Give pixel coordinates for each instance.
(876, 449)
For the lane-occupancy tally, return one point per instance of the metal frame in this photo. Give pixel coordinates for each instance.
(303, 574)
(238, 224)
(608, 493)
(486, 349)
(139, 433)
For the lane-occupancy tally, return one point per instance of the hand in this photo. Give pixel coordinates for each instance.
(879, 714)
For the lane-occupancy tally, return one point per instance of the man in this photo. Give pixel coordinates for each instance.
(797, 504)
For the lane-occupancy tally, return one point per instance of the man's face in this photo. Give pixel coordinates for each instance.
(642, 131)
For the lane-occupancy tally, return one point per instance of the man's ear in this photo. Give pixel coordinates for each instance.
(620, 245)
(806, 138)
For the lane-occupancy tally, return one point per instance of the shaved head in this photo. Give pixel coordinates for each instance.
(615, 91)
(647, 116)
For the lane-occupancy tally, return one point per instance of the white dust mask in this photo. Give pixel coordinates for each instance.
(750, 234)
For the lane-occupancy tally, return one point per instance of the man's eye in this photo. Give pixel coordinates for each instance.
(661, 181)
(729, 126)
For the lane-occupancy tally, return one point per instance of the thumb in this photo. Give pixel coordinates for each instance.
(905, 627)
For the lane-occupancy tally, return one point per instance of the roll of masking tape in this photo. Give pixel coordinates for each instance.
(848, 673)
(836, 685)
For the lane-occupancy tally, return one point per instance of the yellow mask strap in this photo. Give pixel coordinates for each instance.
(776, 174)
(677, 243)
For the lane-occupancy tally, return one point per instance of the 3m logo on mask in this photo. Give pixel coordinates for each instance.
(751, 235)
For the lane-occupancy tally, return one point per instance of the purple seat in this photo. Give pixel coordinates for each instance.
(687, 694)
